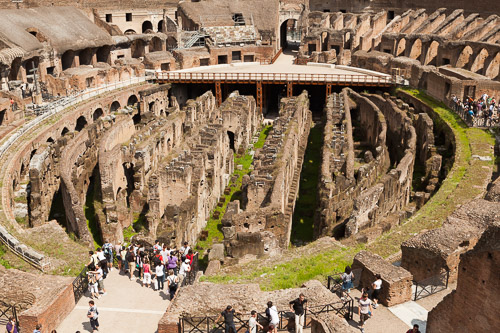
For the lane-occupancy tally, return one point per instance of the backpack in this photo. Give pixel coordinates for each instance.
(173, 283)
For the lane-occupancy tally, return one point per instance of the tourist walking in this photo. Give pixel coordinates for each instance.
(377, 287)
(299, 307)
(146, 281)
(184, 250)
(93, 285)
(253, 323)
(139, 263)
(160, 276)
(38, 328)
(172, 262)
(172, 283)
(228, 315)
(130, 257)
(93, 261)
(190, 256)
(93, 315)
(347, 284)
(273, 317)
(123, 254)
(11, 325)
(100, 278)
(102, 261)
(365, 310)
(108, 253)
(185, 268)
(118, 250)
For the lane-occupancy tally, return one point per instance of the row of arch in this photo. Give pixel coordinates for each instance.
(147, 26)
(466, 59)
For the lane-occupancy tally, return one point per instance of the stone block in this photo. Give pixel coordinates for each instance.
(396, 281)
(212, 268)
(217, 252)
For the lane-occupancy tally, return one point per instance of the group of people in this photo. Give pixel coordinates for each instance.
(485, 108)
(12, 327)
(298, 306)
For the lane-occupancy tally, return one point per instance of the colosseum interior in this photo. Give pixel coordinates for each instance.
(282, 140)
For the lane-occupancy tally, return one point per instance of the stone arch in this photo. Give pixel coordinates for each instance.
(493, 69)
(64, 131)
(160, 26)
(151, 107)
(68, 59)
(137, 48)
(478, 64)
(118, 192)
(130, 32)
(171, 43)
(132, 100)
(104, 54)
(400, 50)
(288, 30)
(15, 73)
(50, 140)
(431, 56)
(155, 44)
(114, 106)
(416, 49)
(81, 122)
(147, 25)
(464, 57)
(85, 56)
(97, 114)
(37, 34)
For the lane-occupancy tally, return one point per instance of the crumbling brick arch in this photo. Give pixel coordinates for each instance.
(68, 59)
(478, 64)
(400, 50)
(137, 48)
(97, 114)
(64, 131)
(132, 100)
(114, 106)
(161, 26)
(432, 52)
(81, 123)
(171, 43)
(103, 54)
(86, 56)
(493, 69)
(155, 44)
(464, 57)
(171, 25)
(130, 32)
(38, 34)
(416, 49)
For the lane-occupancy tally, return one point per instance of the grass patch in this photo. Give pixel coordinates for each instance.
(21, 199)
(4, 262)
(466, 179)
(307, 199)
(136, 227)
(90, 214)
(294, 273)
(214, 227)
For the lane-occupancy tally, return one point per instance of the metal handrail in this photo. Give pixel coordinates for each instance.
(431, 285)
(473, 121)
(80, 284)
(5, 316)
(272, 77)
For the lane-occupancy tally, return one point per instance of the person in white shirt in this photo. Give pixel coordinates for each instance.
(365, 310)
(273, 316)
(160, 276)
(253, 323)
(377, 286)
(185, 268)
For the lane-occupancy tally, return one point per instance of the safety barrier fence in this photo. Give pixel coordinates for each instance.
(431, 285)
(475, 121)
(6, 313)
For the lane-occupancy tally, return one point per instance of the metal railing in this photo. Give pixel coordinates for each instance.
(191, 275)
(6, 313)
(335, 286)
(80, 284)
(431, 285)
(276, 56)
(474, 121)
(208, 324)
(306, 78)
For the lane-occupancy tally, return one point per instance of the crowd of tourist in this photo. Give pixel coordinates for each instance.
(484, 110)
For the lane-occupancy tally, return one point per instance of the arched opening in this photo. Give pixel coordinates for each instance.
(114, 106)
(160, 26)
(30, 65)
(15, 73)
(431, 56)
(416, 49)
(37, 34)
(97, 114)
(137, 48)
(136, 118)
(147, 25)
(325, 38)
(132, 100)
(155, 44)
(50, 140)
(464, 57)
(130, 32)
(231, 140)
(64, 131)
(128, 170)
(85, 56)
(289, 34)
(68, 59)
(151, 107)
(400, 50)
(81, 122)
(103, 54)
(171, 43)
(478, 64)
(493, 68)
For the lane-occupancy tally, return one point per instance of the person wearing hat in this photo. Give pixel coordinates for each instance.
(185, 267)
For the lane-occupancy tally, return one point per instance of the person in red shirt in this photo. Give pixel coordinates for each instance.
(415, 329)
(190, 256)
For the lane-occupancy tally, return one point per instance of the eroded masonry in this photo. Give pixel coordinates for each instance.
(212, 122)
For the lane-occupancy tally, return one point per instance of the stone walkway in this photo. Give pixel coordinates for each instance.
(127, 307)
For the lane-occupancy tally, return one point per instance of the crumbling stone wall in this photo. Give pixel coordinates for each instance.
(474, 311)
(396, 281)
(437, 251)
(269, 193)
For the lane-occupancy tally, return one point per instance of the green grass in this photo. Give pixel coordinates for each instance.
(90, 214)
(465, 180)
(294, 273)
(213, 226)
(3, 262)
(137, 226)
(307, 200)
